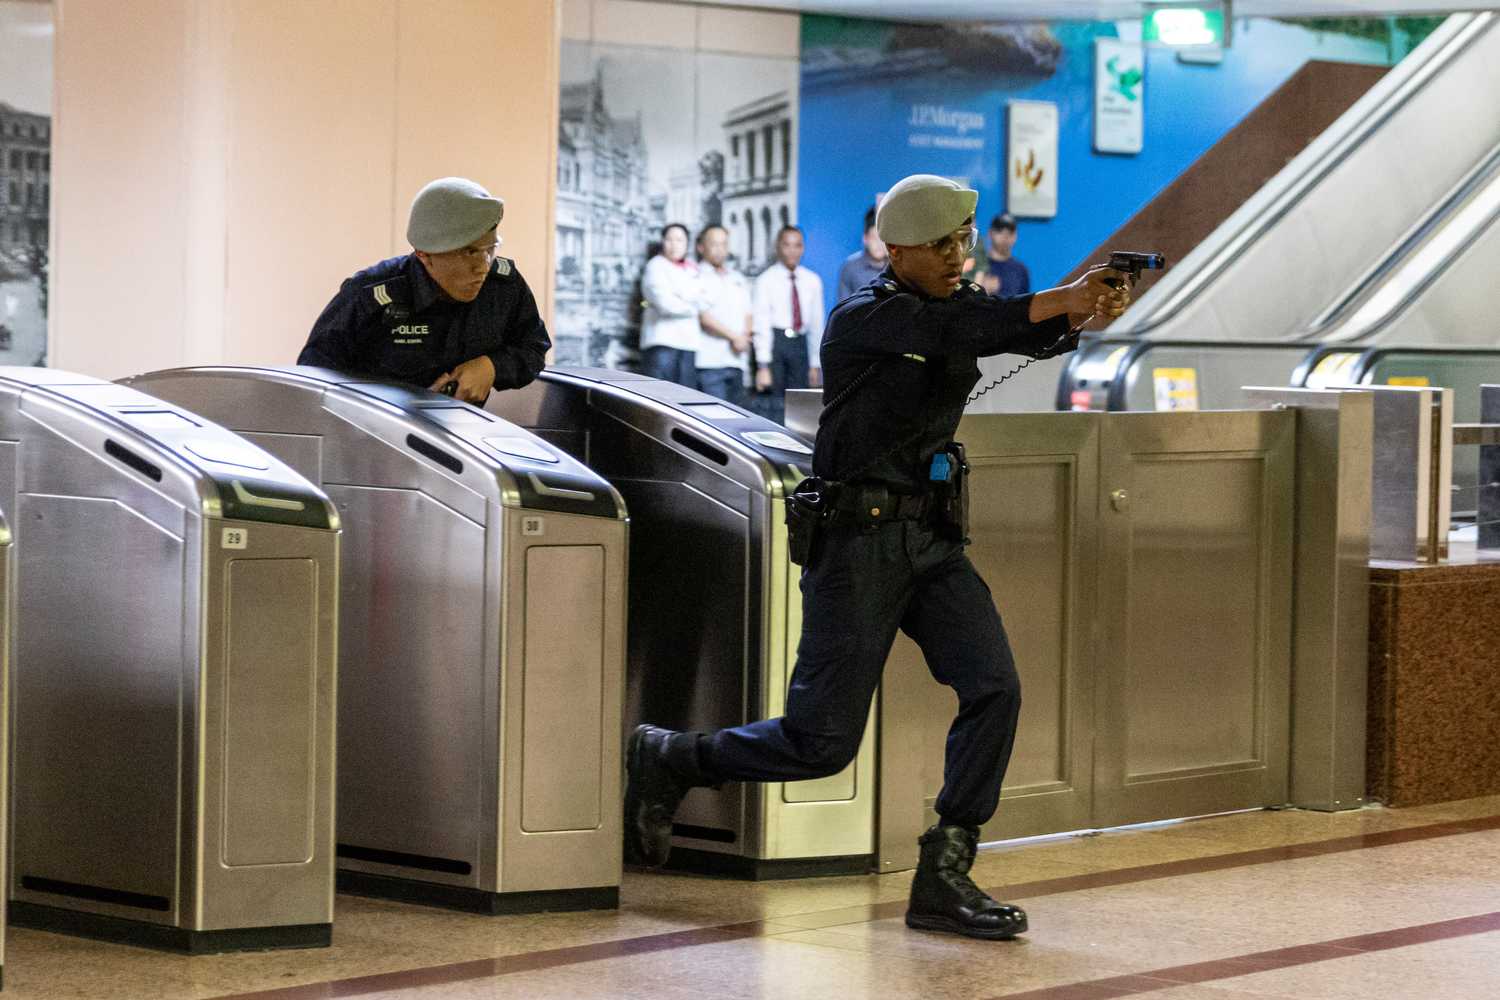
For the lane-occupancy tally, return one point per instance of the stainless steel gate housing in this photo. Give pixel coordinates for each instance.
(1143, 566)
(482, 638)
(176, 607)
(715, 610)
(7, 597)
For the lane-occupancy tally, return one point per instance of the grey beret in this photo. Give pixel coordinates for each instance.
(451, 212)
(922, 208)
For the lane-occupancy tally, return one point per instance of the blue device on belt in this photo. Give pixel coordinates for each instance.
(941, 469)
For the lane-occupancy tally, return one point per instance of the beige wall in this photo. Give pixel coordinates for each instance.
(683, 26)
(219, 166)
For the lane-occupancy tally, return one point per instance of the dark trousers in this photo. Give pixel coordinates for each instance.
(726, 383)
(858, 590)
(670, 365)
(788, 371)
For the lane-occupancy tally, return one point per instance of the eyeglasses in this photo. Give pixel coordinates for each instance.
(475, 255)
(961, 240)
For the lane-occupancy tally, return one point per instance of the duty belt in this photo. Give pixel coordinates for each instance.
(870, 504)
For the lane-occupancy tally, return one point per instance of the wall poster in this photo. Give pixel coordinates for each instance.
(1031, 185)
(25, 179)
(649, 136)
(1119, 96)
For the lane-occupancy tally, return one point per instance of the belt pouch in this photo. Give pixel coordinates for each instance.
(806, 510)
(873, 504)
(951, 496)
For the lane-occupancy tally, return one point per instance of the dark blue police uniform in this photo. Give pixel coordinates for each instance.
(393, 321)
(915, 358)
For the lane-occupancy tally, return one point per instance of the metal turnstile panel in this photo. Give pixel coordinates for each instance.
(449, 793)
(689, 563)
(1330, 651)
(1033, 495)
(7, 598)
(1488, 513)
(559, 691)
(174, 743)
(103, 689)
(562, 757)
(270, 705)
(715, 604)
(412, 608)
(266, 737)
(827, 817)
(1196, 529)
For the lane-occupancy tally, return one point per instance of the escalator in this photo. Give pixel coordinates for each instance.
(1360, 196)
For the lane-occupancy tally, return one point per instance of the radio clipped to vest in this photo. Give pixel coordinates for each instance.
(948, 478)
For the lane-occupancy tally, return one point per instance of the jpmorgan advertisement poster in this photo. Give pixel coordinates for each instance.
(1031, 148)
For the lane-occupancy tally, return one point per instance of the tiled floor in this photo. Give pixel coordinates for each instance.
(1376, 903)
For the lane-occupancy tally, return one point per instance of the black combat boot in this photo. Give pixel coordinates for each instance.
(660, 767)
(944, 898)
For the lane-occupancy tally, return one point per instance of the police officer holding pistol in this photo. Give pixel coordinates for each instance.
(887, 552)
(452, 315)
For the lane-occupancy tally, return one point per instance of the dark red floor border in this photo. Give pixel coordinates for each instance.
(1161, 979)
(1262, 961)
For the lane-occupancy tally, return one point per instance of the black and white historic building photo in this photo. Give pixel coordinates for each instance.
(25, 179)
(652, 136)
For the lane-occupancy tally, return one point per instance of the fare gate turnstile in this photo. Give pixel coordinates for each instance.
(715, 609)
(176, 610)
(6, 599)
(482, 640)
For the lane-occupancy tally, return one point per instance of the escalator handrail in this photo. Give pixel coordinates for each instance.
(1308, 169)
(1137, 348)
(1487, 172)
(1374, 355)
(1480, 225)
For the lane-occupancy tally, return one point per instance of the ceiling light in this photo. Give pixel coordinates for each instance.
(1185, 26)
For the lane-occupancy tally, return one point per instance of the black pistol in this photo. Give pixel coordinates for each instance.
(1133, 262)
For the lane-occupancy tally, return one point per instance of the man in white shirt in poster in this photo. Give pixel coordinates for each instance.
(788, 308)
(724, 341)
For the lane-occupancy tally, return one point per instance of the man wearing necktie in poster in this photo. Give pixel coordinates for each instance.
(788, 313)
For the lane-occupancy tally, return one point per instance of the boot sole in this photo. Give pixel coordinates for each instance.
(947, 925)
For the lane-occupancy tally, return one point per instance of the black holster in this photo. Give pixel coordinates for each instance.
(951, 497)
(807, 512)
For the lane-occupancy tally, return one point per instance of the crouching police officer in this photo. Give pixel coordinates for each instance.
(452, 315)
(899, 364)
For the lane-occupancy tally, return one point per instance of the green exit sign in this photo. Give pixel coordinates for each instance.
(1185, 26)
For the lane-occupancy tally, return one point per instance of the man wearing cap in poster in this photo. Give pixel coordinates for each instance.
(899, 361)
(452, 315)
(1000, 273)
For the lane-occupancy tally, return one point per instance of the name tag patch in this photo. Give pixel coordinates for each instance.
(409, 333)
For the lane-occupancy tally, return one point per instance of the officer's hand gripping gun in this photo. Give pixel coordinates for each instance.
(1131, 262)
